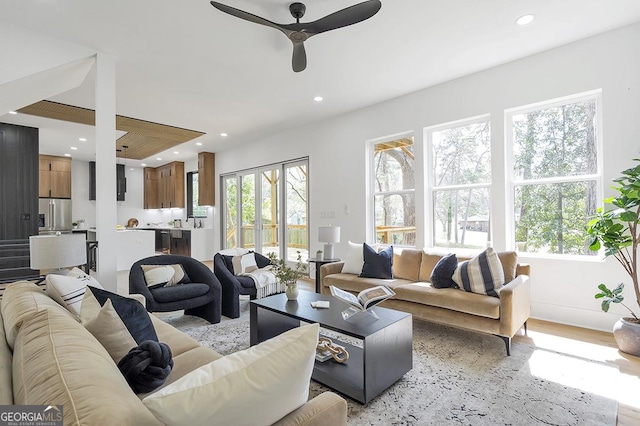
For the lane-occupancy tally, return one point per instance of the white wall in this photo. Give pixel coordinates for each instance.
(562, 289)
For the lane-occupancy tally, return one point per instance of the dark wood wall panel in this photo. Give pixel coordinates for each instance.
(18, 198)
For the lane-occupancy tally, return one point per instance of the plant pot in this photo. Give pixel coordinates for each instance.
(292, 291)
(626, 331)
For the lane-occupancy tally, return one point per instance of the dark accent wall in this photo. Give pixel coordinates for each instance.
(18, 198)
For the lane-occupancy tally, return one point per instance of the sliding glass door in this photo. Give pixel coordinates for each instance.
(264, 202)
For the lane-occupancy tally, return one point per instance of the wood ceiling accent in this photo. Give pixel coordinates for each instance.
(143, 138)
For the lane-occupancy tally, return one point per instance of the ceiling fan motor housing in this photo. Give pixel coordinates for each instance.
(297, 10)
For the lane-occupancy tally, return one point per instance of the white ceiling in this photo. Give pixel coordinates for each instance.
(186, 64)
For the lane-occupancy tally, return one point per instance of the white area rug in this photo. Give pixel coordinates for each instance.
(459, 378)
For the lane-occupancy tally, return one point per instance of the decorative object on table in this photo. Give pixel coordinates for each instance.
(132, 223)
(366, 299)
(147, 366)
(319, 255)
(80, 223)
(288, 276)
(299, 32)
(75, 225)
(326, 349)
(321, 304)
(617, 231)
(328, 235)
(57, 251)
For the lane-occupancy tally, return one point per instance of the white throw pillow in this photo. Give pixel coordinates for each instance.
(482, 274)
(354, 260)
(157, 274)
(68, 290)
(243, 264)
(257, 386)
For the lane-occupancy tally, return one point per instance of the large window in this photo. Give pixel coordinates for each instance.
(258, 209)
(461, 180)
(193, 208)
(555, 174)
(394, 196)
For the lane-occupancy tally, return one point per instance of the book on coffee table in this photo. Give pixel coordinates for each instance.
(366, 298)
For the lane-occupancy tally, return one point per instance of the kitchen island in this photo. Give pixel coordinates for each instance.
(133, 245)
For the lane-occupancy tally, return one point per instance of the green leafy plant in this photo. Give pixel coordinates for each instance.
(286, 274)
(616, 230)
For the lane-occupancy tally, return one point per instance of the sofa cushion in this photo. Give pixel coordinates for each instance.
(246, 281)
(232, 389)
(482, 274)
(406, 264)
(427, 264)
(177, 341)
(442, 274)
(179, 292)
(6, 387)
(120, 324)
(356, 284)
(509, 261)
(20, 301)
(57, 361)
(354, 259)
(377, 265)
(68, 290)
(449, 298)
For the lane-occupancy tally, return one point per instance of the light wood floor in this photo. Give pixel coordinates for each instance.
(581, 343)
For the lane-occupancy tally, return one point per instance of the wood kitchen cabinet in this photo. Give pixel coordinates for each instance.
(164, 186)
(54, 177)
(206, 179)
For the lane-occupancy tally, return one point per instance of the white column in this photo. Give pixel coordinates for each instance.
(106, 207)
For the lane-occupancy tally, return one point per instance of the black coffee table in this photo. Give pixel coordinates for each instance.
(385, 355)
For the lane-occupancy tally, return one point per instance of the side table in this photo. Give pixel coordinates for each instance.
(319, 263)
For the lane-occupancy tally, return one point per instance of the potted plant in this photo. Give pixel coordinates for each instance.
(75, 225)
(319, 255)
(617, 231)
(287, 275)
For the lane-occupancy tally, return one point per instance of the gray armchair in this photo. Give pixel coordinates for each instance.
(202, 297)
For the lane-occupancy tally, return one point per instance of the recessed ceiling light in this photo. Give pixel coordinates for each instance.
(159, 159)
(12, 112)
(67, 155)
(176, 152)
(524, 19)
(131, 168)
(74, 148)
(318, 99)
(82, 139)
(199, 143)
(224, 135)
(143, 165)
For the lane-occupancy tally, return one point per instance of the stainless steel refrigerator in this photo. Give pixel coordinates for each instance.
(54, 215)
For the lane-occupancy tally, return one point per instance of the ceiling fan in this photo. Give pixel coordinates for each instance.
(299, 32)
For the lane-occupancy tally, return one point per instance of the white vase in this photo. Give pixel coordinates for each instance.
(292, 291)
(627, 335)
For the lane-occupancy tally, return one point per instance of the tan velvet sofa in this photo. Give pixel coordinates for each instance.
(502, 316)
(55, 360)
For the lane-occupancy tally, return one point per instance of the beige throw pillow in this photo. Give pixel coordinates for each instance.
(157, 275)
(244, 263)
(257, 386)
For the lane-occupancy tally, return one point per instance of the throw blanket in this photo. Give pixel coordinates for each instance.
(147, 366)
(266, 283)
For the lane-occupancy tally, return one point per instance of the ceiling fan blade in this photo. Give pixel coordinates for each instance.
(249, 16)
(299, 60)
(342, 18)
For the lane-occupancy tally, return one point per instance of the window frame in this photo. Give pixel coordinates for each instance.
(512, 182)
(430, 175)
(190, 214)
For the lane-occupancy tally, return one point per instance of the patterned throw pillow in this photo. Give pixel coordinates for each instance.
(68, 290)
(482, 274)
(244, 263)
(164, 275)
(377, 265)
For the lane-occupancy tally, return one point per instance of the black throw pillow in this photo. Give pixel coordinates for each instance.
(443, 271)
(131, 312)
(377, 265)
(147, 366)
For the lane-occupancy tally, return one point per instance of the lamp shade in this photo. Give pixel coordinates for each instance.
(57, 251)
(329, 234)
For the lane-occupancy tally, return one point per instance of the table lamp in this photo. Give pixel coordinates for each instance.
(328, 235)
(57, 251)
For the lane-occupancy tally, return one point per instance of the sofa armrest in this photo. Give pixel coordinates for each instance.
(515, 305)
(325, 409)
(328, 269)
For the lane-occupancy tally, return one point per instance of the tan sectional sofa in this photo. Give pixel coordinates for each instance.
(48, 357)
(502, 316)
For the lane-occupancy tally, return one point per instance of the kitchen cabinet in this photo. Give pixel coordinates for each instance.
(121, 181)
(164, 188)
(206, 179)
(54, 177)
(180, 242)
